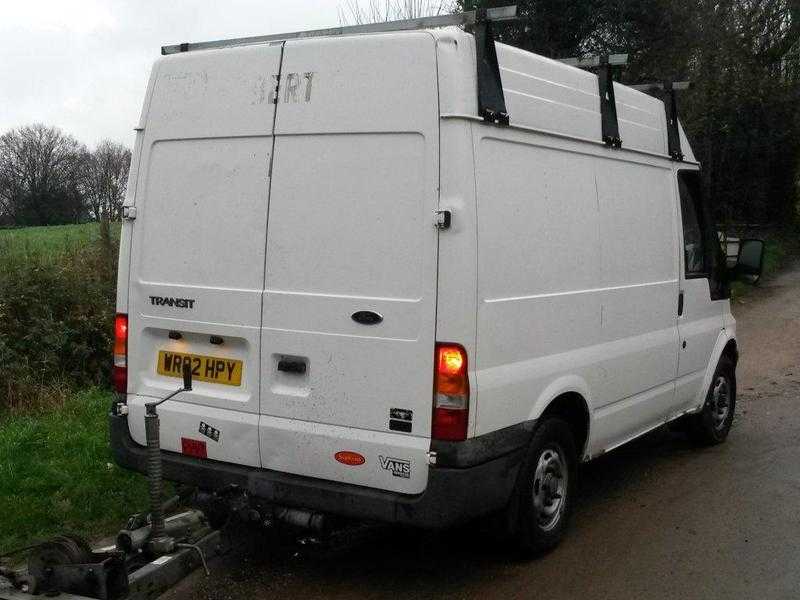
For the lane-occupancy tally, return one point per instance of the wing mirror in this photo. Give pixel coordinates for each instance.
(749, 261)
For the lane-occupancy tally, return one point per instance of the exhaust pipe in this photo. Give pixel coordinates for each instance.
(303, 519)
(233, 503)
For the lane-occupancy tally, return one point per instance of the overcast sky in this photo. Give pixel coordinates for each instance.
(83, 65)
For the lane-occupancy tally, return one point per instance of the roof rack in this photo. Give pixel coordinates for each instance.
(671, 109)
(491, 100)
(604, 64)
(465, 19)
(595, 60)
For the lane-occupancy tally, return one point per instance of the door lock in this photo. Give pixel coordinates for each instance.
(444, 219)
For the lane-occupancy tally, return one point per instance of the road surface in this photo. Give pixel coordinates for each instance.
(656, 519)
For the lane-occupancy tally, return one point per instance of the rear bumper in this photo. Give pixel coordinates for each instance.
(454, 494)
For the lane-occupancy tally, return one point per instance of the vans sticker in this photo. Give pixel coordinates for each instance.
(401, 419)
(399, 467)
(209, 431)
(176, 302)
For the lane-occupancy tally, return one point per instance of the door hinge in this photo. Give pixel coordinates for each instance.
(129, 213)
(680, 303)
(443, 219)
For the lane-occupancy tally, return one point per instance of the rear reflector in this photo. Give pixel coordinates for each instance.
(451, 393)
(196, 448)
(351, 459)
(119, 375)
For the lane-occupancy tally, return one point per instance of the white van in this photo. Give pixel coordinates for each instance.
(398, 306)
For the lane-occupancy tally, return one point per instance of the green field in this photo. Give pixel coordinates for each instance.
(57, 474)
(49, 241)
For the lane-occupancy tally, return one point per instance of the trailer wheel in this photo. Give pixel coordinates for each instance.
(713, 423)
(542, 501)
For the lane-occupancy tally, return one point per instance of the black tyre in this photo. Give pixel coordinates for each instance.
(713, 423)
(541, 505)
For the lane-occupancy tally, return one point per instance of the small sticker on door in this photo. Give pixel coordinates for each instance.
(398, 467)
(401, 419)
(209, 431)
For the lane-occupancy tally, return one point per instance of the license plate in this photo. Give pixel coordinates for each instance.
(226, 371)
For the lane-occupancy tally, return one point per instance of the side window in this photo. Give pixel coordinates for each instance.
(694, 250)
(703, 256)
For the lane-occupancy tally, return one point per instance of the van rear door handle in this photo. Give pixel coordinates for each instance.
(292, 366)
(680, 303)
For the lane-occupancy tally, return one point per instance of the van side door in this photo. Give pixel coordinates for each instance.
(703, 290)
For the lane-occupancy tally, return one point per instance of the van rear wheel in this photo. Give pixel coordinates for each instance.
(713, 423)
(540, 508)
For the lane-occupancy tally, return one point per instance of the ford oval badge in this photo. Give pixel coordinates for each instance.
(366, 317)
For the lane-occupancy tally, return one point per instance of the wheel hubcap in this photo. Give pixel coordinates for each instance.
(550, 488)
(720, 402)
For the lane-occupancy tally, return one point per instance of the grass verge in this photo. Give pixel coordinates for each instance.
(50, 241)
(57, 302)
(57, 474)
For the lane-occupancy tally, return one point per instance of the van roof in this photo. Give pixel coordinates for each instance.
(540, 93)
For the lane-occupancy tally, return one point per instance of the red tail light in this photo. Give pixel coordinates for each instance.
(119, 374)
(451, 393)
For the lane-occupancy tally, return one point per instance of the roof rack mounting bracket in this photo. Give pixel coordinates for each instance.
(491, 100)
(666, 92)
(608, 104)
(673, 133)
(603, 64)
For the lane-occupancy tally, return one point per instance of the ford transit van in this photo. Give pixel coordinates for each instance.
(398, 306)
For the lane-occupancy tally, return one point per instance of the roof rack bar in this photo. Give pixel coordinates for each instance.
(465, 19)
(656, 87)
(594, 61)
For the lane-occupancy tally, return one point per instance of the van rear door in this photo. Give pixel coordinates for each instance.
(197, 263)
(348, 332)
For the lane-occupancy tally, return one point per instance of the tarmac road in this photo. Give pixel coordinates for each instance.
(656, 519)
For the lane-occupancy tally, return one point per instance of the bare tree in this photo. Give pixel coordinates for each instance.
(355, 12)
(106, 180)
(40, 176)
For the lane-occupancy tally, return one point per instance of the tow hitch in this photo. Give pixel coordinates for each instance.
(151, 554)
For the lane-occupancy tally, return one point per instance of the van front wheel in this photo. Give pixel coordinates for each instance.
(545, 490)
(713, 423)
